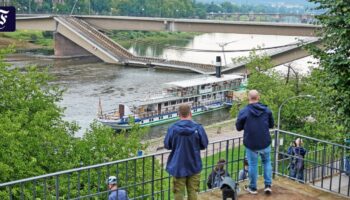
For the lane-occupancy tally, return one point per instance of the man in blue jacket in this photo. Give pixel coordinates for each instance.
(256, 119)
(185, 139)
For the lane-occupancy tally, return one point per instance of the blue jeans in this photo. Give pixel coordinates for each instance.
(252, 157)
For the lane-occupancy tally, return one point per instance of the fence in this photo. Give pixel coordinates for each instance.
(145, 177)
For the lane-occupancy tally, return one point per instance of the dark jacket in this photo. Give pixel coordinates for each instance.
(185, 139)
(216, 177)
(295, 151)
(255, 119)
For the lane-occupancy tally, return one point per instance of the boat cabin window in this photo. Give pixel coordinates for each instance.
(169, 116)
(202, 87)
(166, 104)
(173, 102)
(203, 97)
(191, 99)
(179, 101)
(185, 100)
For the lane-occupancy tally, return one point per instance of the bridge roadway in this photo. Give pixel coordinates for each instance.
(81, 30)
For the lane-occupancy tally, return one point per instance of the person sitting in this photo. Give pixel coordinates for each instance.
(296, 166)
(217, 175)
(115, 193)
(243, 173)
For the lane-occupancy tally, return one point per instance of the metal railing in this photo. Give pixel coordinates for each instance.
(145, 177)
(324, 162)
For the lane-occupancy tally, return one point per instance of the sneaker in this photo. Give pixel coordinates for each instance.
(250, 190)
(267, 189)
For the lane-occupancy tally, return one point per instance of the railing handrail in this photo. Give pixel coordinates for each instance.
(311, 138)
(99, 165)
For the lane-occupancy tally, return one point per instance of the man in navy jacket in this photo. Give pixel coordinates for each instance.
(185, 139)
(256, 119)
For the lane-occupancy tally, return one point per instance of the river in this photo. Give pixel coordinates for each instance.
(86, 79)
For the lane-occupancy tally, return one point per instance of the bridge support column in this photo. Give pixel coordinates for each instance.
(65, 47)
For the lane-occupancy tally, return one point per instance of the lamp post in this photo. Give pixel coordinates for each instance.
(279, 124)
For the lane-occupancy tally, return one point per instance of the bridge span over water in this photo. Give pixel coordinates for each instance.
(76, 35)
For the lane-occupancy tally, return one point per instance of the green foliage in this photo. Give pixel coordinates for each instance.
(36, 37)
(35, 140)
(301, 115)
(334, 59)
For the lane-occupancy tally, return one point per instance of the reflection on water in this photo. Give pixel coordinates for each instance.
(211, 41)
(156, 49)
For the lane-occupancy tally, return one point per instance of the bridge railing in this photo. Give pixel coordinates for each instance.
(144, 177)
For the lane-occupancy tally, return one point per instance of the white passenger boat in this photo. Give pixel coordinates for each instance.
(204, 94)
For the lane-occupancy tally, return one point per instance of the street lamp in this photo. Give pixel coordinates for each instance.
(222, 45)
(279, 123)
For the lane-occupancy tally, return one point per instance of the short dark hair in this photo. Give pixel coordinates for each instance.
(184, 110)
(245, 161)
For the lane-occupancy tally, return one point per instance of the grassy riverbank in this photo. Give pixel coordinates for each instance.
(40, 39)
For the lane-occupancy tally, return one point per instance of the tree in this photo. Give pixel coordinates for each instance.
(334, 59)
(301, 115)
(34, 138)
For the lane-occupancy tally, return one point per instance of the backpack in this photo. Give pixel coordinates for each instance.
(215, 179)
(298, 160)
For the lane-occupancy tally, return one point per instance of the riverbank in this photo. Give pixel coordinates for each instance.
(28, 39)
(215, 132)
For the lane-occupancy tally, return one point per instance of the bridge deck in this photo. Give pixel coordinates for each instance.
(91, 39)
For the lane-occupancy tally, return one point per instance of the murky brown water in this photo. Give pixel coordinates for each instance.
(87, 79)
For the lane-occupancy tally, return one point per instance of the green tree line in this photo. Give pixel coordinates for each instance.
(150, 8)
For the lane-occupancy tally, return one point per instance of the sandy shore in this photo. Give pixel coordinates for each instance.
(219, 131)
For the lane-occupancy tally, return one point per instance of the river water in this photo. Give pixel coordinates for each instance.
(87, 79)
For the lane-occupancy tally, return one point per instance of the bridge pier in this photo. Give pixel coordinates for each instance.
(65, 47)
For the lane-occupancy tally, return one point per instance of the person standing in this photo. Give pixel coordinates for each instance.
(256, 119)
(115, 194)
(296, 166)
(185, 139)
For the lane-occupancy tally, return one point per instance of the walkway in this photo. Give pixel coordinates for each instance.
(282, 188)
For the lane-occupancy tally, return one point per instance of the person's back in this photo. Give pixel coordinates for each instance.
(185, 139)
(118, 195)
(256, 119)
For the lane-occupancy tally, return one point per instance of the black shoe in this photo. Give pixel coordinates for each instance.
(250, 190)
(267, 189)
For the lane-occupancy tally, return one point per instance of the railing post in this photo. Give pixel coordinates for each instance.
(153, 162)
(275, 162)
